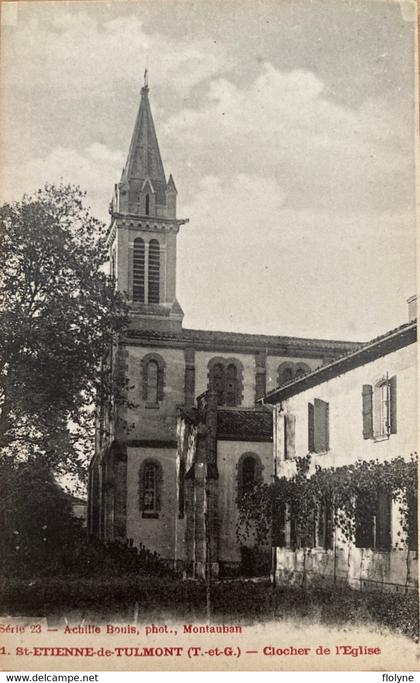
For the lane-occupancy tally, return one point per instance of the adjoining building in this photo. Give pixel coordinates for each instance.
(362, 406)
(135, 488)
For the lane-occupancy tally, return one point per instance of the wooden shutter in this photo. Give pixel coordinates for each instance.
(289, 436)
(383, 521)
(321, 425)
(311, 441)
(393, 404)
(364, 524)
(367, 411)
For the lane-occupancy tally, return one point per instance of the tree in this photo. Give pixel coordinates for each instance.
(59, 316)
(38, 530)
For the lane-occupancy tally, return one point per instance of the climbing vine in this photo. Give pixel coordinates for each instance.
(349, 493)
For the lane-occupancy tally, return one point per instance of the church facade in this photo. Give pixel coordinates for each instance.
(169, 469)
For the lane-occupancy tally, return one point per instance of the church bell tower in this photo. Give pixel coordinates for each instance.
(143, 231)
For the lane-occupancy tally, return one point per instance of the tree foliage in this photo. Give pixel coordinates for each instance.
(351, 491)
(59, 314)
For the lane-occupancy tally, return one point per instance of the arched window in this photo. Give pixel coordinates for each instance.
(218, 382)
(150, 485)
(301, 370)
(231, 385)
(289, 371)
(153, 378)
(225, 379)
(147, 205)
(249, 473)
(138, 270)
(286, 375)
(152, 382)
(154, 271)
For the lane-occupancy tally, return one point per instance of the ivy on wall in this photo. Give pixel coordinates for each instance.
(350, 492)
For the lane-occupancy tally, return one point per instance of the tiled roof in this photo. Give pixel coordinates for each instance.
(213, 338)
(379, 346)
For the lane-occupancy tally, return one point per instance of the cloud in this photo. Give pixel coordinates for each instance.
(93, 168)
(283, 126)
(72, 52)
(288, 271)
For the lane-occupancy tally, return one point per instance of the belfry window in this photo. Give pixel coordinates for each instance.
(150, 483)
(147, 205)
(138, 270)
(154, 271)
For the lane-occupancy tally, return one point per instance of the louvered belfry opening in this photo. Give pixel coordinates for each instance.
(138, 270)
(154, 271)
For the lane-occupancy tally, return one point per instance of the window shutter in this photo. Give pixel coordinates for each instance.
(393, 404)
(383, 521)
(367, 411)
(364, 523)
(321, 425)
(289, 436)
(311, 443)
(278, 530)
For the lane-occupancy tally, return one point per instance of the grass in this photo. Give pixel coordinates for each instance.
(237, 600)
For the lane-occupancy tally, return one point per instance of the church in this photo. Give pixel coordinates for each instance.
(172, 463)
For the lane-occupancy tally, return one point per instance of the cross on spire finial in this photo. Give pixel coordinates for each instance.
(146, 78)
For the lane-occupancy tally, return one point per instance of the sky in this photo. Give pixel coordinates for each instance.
(289, 128)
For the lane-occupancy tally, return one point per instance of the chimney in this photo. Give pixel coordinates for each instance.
(412, 308)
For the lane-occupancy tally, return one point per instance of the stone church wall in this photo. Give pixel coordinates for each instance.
(228, 456)
(202, 359)
(159, 422)
(157, 534)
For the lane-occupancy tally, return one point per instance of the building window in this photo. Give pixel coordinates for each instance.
(153, 377)
(249, 473)
(278, 526)
(318, 426)
(289, 371)
(373, 521)
(231, 385)
(225, 379)
(147, 205)
(138, 270)
(379, 408)
(152, 382)
(218, 382)
(326, 524)
(154, 271)
(286, 375)
(150, 485)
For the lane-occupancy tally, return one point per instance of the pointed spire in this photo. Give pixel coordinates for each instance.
(171, 187)
(144, 160)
